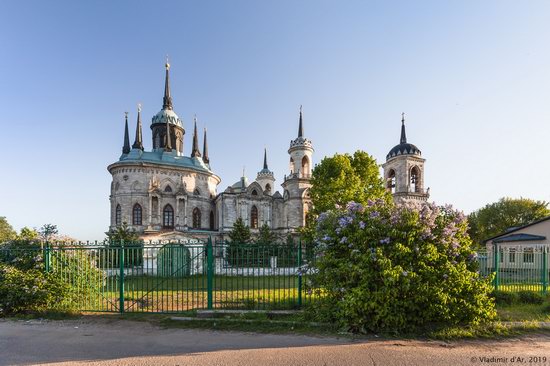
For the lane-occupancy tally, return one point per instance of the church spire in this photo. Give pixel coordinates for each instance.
(205, 149)
(126, 147)
(138, 143)
(195, 152)
(403, 134)
(300, 127)
(167, 100)
(168, 144)
(265, 159)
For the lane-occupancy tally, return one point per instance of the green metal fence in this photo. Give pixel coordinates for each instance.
(173, 276)
(516, 268)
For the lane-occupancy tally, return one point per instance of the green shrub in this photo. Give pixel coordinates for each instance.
(530, 297)
(29, 290)
(392, 268)
(505, 297)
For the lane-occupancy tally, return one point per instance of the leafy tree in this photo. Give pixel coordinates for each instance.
(6, 230)
(47, 231)
(495, 218)
(240, 233)
(266, 236)
(27, 234)
(342, 178)
(122, 234)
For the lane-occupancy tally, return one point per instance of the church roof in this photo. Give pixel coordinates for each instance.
(404, 148)
(241, 184)
(164, 158)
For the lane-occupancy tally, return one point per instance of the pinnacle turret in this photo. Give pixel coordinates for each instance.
(195, 152)
(167, 100)
(205, 149)
(126, 147)
(138, 143)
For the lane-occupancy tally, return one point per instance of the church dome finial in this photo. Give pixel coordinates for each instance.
(404, 148)
(167, 100)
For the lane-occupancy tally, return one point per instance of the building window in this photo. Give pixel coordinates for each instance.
(196, 192)
(136, 214)
(118, 215)
(168, 189)
(390, 182)
(211, 220)
(512, 255)
(305, 166)
(168, 217)
(254, 192)
(415, 180)
(528, 255)
(254, 217)
(291, 166)
(268, 188)
(196, 218)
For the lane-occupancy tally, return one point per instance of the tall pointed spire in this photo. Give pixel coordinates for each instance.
(167, 100)
(138, 143)
(301, 127)
(403, 134)
(205, 149)
(168, 144)
(126, 147)
(195, 152)
(265, 159)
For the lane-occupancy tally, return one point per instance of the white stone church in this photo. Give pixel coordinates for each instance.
(165, 195)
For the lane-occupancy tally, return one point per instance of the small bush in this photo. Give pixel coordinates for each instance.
(530, 297)
(505, 297)
(28, 290)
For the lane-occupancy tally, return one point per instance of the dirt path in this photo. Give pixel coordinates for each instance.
(124, 342)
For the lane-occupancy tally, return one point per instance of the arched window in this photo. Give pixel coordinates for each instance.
(168, 189)
(136, 214)
(268, 188)
(196, 218)
(118, 215)
(168, 217)
(196, 192)
(305, 166)
(254, 192)
(415, 179)
(254, 217)
(211, 220)
(390, 183)
(291, 166)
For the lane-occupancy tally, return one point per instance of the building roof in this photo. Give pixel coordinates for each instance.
(403, 148)
(519, 237)
(165, 158)
(518, 228)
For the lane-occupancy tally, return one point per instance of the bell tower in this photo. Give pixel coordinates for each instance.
(296, 185)
(404, 171)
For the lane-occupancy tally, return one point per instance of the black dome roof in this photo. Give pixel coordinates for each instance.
(403, 149)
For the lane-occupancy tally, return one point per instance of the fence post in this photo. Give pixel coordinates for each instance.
(544, 270)
(121, 284)
(300, 272)
(209, 272)
(496, 259)
(47, 257)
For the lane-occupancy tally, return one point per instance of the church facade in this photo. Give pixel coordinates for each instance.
(165, 195)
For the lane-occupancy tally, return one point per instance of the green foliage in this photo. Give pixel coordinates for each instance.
(343, 178)
(495, 218)
(122, 234)
(505, 297)
(47, 231)
(266, 236)
(29, 290)
(27, 234)
(530, 297)
(240, 233)
(391, 268)
(6, 230)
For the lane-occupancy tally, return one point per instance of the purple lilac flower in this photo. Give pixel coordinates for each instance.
(326, 238)
(343, 240)
(338, 230)
(385, 241)
(370, 203)
(472, 257)
(405, 273)
(345, 221)
(353, 207)
(374, 214)
(322, 217)
(361, 225)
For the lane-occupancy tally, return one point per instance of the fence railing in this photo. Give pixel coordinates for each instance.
(516, 268)
(173, 276)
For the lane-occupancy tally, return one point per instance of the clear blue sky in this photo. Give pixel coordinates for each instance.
(473, 78)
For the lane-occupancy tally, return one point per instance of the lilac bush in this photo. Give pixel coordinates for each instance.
(386, 267)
